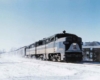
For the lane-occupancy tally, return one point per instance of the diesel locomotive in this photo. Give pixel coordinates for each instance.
(59, 47)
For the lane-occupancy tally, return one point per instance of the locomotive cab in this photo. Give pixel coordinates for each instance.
(71, 48)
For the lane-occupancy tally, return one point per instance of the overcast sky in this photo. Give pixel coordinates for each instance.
(24, 21)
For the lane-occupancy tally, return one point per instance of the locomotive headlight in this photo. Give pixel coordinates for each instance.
(74, 43)
(74, 46)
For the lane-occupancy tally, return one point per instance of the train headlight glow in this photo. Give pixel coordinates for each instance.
(74, 43)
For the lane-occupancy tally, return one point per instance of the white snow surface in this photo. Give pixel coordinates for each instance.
(18, 68)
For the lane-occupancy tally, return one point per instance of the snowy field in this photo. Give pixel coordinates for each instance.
(17, 68)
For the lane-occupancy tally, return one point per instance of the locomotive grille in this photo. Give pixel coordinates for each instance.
(73, 56)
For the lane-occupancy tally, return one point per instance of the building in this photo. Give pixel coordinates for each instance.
(91, 51)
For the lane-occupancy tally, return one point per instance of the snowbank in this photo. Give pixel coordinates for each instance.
(18, 68)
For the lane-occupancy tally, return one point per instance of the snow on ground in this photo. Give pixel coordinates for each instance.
(18, 68)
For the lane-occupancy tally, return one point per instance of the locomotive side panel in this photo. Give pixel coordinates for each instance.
(40, 49)
(60, 47)
(27, 52)
(50, 48)
(32, 51)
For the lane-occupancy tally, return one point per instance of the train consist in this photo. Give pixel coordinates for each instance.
(59, 47)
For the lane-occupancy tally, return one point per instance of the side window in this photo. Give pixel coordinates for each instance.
(52, 39)
(39, 43)
(44, 42)
(29, 47)
(33, 46)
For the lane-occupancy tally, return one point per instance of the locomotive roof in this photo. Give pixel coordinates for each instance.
(62, 34)
(55, 35)
(65, 34)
